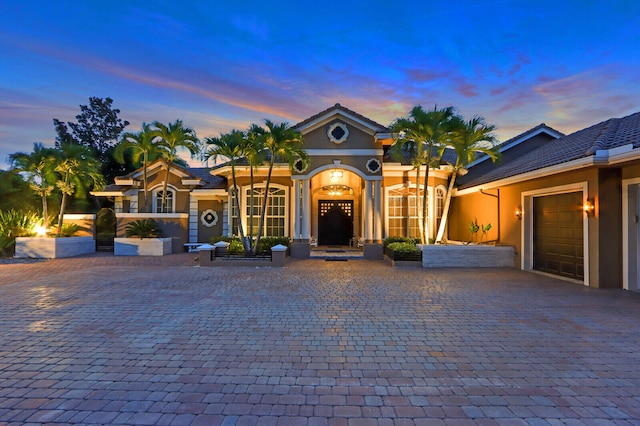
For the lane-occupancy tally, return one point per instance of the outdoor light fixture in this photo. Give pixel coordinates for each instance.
(589, 207)
(336, 176)
(519, 212)
(40, 230)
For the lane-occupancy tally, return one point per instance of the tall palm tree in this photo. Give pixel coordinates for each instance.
(419, 137)
(256, 156)
(231, 147)
(467, 139)
(39, 166)
(283, 143)
(77, 172)
(143, 147)
(172, 137)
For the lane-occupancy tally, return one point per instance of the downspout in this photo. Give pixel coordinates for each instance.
(497, 197)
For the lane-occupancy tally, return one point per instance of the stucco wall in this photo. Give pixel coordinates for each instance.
(357, 139)
(173, 225)
(204, 232)
(604, 228)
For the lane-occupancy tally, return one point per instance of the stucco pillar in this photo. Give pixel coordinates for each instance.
(368, 211)
(377, 200)
(296, 210)
(306, 210)
(193, 219)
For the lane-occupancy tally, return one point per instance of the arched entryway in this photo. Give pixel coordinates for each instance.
(335, 222)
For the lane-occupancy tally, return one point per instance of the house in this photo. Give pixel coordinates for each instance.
(351, 192)
(568, 203)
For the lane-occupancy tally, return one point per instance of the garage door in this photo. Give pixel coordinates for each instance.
(558, 239)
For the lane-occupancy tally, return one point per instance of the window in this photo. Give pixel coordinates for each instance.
(169, 205)
(439, 206)
(275, 218)
(402, 211)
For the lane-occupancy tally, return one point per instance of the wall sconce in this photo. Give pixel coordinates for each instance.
(336, 176)
(589, 207)
(519, 213)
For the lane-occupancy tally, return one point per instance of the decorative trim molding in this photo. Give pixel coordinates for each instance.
(337, 128)
(209, 218)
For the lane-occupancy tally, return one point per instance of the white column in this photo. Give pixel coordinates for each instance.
(368, 218)
(193, 219)
(306, 210)
(377, 233)
(296, 210)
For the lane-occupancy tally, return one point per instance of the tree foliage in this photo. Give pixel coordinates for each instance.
(98, 127)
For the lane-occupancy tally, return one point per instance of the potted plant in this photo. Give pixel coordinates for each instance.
(143, 238)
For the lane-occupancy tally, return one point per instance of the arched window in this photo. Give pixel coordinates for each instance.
(440, 193)
(169, 205)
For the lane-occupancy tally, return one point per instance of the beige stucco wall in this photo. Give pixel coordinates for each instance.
(175, 227)
(604, 228)
(357, 139)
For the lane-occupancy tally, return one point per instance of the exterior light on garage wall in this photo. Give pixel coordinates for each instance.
(519, 213)
(589, 207)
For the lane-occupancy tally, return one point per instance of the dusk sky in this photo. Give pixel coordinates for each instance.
(219, 65)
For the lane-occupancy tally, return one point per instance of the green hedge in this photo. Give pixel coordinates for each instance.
(404, 247)
(391, 240)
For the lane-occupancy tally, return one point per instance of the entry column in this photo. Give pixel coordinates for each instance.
(306, 210)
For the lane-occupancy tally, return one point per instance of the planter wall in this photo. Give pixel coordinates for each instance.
(471, 256)
(52, 248)
(141, 247)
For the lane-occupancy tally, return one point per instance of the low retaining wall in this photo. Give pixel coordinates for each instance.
(141, 246)
(53, 248)
(467, 256)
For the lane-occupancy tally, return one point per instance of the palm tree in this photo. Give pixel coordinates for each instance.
(232, 147)
(141, 144)
(39, 166)
(256, 156)
(419, 137)
(172, 137)
(467, 139)
(283, 143)
(77, 171)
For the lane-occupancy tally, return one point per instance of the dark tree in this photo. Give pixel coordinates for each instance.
(98, 128)
(15, 192)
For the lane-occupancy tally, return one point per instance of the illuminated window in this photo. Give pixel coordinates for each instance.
(403, 212)
(439, 206)
(275, 217)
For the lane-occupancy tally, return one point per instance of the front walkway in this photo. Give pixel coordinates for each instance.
(106, 340)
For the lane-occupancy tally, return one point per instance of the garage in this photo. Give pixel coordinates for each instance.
(558, 235)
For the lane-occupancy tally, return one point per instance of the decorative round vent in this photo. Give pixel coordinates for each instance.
(338, 133)
(209, 218)
(300, 166)
(373, 165)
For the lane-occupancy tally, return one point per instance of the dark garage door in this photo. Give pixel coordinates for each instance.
(558, 243)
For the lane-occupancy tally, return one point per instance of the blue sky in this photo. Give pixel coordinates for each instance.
(222, 65)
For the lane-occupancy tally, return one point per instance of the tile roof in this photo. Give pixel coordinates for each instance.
(584, 143)
(379, 127)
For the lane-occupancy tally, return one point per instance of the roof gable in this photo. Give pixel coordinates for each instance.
(329, 114)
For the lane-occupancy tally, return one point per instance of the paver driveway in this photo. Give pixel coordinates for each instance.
(159, 341)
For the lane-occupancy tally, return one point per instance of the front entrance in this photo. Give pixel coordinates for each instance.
(335, 222)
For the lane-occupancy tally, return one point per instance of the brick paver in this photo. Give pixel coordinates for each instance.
(106, 340)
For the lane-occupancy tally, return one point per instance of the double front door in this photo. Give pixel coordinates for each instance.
(335, 222)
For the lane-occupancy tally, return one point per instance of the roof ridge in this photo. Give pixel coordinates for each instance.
(607, 133)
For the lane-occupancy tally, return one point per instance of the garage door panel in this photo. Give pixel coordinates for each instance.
(558, 235)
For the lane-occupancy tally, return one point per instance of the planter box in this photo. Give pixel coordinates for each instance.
(467, 256)
(141, 246)
(52, 248)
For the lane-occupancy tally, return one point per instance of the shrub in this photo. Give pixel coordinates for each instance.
(235, 244)
(265, 243)
(68, 230)
(391, 240)
(404, 247)
(15, 224)
(143, 228)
